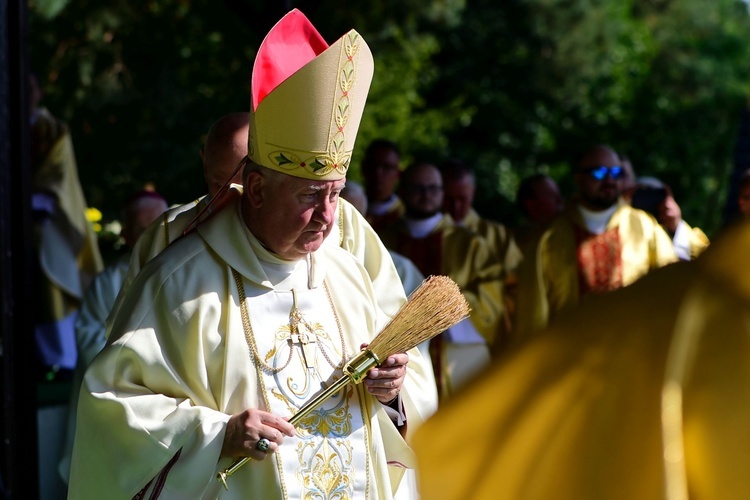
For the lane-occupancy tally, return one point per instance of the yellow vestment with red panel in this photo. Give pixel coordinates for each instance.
(567, 262)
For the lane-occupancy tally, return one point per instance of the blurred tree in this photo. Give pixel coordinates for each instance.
(662, 81)
(140, 84)
(516, 86)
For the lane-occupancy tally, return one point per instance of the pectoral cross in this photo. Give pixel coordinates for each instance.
(301, 334)
(304, 340)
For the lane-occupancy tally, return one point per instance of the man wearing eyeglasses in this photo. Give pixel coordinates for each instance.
(437, 245)
(381, 169)
(598, 244)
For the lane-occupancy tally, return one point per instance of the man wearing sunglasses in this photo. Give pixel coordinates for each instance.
(599, 244)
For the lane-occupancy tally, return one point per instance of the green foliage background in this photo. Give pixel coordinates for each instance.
(513, 86)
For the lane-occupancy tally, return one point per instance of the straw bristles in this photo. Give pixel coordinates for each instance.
(432, 308)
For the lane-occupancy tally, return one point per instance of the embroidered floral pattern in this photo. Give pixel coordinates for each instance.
(336, 157)
(326, 470)
(335, 421)
(599, 261)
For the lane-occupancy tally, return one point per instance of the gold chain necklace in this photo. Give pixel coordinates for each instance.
(295, 316)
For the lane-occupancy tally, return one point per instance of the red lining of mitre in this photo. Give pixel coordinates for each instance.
(291, 43)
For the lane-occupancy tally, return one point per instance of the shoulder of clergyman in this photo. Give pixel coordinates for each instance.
(187, 261)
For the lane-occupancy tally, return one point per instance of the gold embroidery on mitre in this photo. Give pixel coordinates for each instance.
(317, 163)
(337, 157)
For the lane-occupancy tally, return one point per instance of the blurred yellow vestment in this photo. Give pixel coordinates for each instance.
(641, 393)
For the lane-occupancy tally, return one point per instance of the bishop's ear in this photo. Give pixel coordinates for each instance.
(254, 182)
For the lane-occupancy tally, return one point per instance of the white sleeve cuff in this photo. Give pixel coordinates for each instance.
(397, 416)
(681, 241)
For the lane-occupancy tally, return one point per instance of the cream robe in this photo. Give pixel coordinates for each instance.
(90, 338)
(178, 366)
(499, 238)
(548, 276)
(642, 393)
(157, 236)
(351, 232)
(162, 232)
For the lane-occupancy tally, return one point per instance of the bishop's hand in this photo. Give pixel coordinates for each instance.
(254, 433)
(385, 381)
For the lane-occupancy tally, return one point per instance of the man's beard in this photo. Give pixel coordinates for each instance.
(421, 214)
(602, 202)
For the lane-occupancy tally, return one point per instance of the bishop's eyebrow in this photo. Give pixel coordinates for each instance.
(317, 188)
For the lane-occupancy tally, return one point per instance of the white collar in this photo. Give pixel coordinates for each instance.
(382, 207)
(596, 221)
(419, 228)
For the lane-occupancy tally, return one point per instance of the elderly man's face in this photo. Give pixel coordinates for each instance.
(599, 178)
(291, 216)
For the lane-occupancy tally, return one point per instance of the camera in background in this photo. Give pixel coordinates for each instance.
(649, 194)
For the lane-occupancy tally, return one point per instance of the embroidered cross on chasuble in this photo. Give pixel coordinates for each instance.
(599, 261)
(298, 348)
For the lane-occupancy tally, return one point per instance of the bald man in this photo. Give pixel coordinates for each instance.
(598, 244)
(225, 147)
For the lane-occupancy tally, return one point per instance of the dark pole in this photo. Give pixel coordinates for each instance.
(19, 467)
(741, 164)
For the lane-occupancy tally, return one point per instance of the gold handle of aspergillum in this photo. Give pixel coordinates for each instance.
(354, 371)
